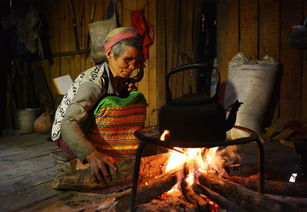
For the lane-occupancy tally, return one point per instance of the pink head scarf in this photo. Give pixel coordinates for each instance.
(114, 39)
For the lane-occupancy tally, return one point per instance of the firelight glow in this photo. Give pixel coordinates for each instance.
(164, 134)
(195, 160)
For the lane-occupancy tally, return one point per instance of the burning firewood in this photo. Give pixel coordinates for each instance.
(192, 197)
(149, 190)
(273, 187)
(244, 197)
(219, 199)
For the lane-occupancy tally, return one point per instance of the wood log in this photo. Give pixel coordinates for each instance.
(120, 201)
(187, 191)
(192, 197)
(244, 197)
(80, 180)
(150, 190)
(217, 198)
(273, 187)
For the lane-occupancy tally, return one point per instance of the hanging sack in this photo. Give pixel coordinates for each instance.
(98, 32)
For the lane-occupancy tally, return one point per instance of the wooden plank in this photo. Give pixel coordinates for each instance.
(127, 8)
(66, 37)
(75, 66)
(290, 91)
(144, 83)
(27, 180)
(38, 151)
(269, 28)
(23, 140)
(81, 22)
(187, 79)
(100, 9)
(29, 150)
(171, 32)
(25, 170)
(152, 75)
(304, 78)
(177, 37)
(161, 43)
(227, 37)
(54, 30)
(22, 199)
(249, 28)
(7, 164)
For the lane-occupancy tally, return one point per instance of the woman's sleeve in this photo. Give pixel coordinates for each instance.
(85, 98)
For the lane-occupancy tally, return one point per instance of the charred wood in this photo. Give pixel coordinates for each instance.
(192, 197)
(244, 197)
(150, 190)
(217, 198)
(273, 187)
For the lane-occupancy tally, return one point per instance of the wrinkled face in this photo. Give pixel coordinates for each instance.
(124, 65)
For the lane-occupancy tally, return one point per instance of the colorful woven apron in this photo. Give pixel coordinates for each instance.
(116, 120)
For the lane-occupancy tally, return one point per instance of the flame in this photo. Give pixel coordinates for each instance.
(164, 135)
(197, 160)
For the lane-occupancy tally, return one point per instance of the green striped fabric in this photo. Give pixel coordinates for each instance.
(116, 120)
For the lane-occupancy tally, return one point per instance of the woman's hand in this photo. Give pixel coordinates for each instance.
(132, 87)
(100, 165)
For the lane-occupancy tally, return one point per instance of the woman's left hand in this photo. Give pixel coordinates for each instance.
(132, 87)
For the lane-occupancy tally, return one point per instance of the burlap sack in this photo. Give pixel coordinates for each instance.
(251, 82)
(98, 31)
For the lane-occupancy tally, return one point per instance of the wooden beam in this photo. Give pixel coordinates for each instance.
(291, 59)
(304, 77)
(249, 28)
(269, 28)
(227, 37)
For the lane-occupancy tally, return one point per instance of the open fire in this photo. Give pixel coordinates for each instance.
(197, 177)
(193, 162)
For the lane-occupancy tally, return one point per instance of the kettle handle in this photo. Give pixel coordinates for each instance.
(187, 67)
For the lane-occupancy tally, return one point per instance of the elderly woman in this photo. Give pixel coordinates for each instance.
(123, 51)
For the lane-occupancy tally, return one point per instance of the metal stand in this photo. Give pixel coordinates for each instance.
(149, 140)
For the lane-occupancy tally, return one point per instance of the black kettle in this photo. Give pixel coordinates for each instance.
(195, 119)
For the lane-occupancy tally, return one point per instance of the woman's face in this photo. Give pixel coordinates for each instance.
(124, 65)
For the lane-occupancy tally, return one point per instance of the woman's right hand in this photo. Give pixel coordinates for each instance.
(100, 165)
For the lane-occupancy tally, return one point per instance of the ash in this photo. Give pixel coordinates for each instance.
(173, 202)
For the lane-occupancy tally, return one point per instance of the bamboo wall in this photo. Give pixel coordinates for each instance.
(260, 27)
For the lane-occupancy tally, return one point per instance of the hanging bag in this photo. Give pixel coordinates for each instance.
(98, 32)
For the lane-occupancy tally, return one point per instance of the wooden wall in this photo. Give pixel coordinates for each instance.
(62, 41)
(260, 27)
(178, 37)
(255, 27)
(175, 39)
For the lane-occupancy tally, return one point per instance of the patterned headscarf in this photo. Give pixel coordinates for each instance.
(118, 34)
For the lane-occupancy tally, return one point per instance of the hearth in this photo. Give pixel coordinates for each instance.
(147, 136)
(195, 120)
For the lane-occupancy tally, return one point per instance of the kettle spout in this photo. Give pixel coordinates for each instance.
(232, 116)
